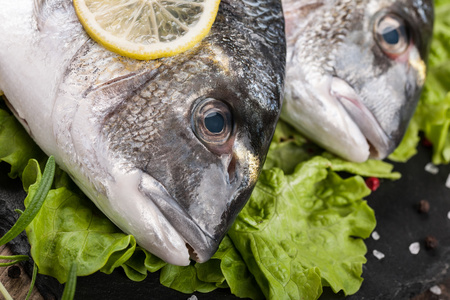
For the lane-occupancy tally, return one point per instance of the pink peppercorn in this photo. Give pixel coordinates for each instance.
(426, 142)
(373, 183)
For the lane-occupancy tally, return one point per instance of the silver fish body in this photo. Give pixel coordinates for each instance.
(354, 71)
(169, 149)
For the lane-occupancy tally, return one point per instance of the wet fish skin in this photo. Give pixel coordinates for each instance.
(343, 89)
(127, 131)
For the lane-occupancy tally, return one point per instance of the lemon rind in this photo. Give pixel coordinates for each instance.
(152, 51)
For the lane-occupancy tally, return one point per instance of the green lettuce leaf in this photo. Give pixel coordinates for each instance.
(289, 148)
(226, 269)
(142, 261)
(16, 145)
(302, 231)
(236, 273)
(184, 279)
(68, 229)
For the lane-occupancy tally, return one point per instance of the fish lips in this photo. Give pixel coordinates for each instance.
(201, 242)
(379, 142)
(179, 218)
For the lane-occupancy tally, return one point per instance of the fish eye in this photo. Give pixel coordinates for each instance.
(392, 35)
(212, 121)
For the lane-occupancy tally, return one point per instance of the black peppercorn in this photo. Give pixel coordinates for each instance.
(431, 242)
(424, 206)
(14, 272)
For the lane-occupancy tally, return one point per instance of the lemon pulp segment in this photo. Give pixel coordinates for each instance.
(147, 29)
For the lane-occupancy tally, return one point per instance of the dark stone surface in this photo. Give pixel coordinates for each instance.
(400, 275)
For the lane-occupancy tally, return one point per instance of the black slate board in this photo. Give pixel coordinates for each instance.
(400, 275)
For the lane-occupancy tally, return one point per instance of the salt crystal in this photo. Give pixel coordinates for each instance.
(448, 215)
(431, 168)
(414, 248)
(436, 290)
(375, 236)
(378, 254)
(447, 183)
(193, 297)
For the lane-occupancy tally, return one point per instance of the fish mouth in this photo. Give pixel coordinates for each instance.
(200, 245)
(380, 145)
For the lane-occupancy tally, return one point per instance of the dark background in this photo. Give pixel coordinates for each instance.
(400, 275)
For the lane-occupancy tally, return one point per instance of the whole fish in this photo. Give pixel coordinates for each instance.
(354, 71)
(169, 149)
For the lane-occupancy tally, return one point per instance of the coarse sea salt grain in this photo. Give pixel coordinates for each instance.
(436, 290)
(447, 183)
(193, 297)
(378, 254)
(448, 215)
(375, 236)
(431, 168)
(414, 248)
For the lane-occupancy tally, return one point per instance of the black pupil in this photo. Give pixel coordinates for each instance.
(392, 36)
(214, 122)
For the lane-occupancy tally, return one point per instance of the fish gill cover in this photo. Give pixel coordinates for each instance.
(301, 230)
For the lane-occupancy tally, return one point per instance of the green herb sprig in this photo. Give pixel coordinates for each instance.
(24, 220)
(35, 204)
(15, 259)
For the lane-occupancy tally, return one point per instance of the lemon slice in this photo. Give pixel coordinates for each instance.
(147, 29)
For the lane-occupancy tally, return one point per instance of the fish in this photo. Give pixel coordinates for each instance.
(168, 149)
(355, 70)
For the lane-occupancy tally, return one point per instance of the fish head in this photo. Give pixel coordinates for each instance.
(168, 149)
(364, 79)
(185, 144)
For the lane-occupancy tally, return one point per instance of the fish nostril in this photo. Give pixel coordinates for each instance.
(232, 170)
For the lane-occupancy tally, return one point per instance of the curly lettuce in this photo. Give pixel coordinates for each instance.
(302, 231)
